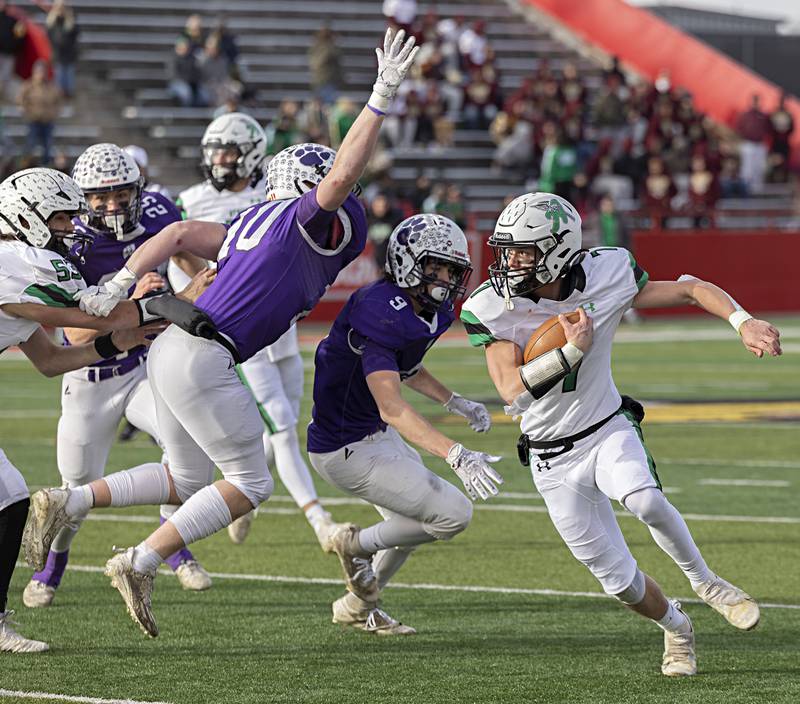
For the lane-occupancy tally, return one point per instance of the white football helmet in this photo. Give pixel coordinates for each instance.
(29, 198)
(542, 220)
(103, 168)
(412, 243)
(297, 169)
(239, 132)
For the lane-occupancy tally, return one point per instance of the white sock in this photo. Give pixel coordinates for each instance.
(79, 501)
(674, 620)
(141, 485)
(316, 513)
(394, 532)
(145, 559)
(387, 562)
(291, 467)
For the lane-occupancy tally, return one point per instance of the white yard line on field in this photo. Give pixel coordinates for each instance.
(744, 482)
(283, 579)
(723, 462)
(69, 698)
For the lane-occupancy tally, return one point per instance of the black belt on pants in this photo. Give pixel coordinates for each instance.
(526, 444)
(228, 345)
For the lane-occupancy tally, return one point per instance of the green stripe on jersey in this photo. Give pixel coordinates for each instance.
(477, 333)
(52, 295)
(271, 427)
(640, 275)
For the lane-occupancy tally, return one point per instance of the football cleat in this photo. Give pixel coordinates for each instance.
(136, 589)
(240, 528)
(737, 607)
(324, 527)
(356, 564)
(369, 619)
(37, 594)
(13, 642)
(679, 659)
(47, 517)
(193, 576)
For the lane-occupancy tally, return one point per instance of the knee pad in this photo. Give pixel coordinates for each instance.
(635, 591)
(449, 524)
(649, 505)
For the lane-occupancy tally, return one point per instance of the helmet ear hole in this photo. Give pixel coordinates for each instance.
(23, 221)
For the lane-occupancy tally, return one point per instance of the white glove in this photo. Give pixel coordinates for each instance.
(101, 300)
(474, 470)
(519, 405)
(394, 60)
(477, 415)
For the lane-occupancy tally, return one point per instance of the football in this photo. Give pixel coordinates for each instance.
(547, 336)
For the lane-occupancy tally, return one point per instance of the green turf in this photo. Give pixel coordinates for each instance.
(260, 641)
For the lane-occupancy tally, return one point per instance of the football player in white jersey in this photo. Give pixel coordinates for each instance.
(581, 440)
(234, 148)
(121, 217)
(36, 208)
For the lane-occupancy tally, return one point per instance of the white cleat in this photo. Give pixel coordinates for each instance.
(356, 565)
(679, 658)
(240, 528)
(46, 518)
(193, 576)
(737, 607)
(37, 595)
(324, 528)
(369, 619)
(13, 642)
(136, 589)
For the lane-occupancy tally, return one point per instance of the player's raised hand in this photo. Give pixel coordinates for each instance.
(394, 61)
(475, 413)
(149, 282)
(761, 338)
(579, 333)
(473, 468)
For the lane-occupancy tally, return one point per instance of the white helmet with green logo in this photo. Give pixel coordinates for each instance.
(241, 133)
(542, 220)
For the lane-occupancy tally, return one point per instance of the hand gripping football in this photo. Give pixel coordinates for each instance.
(548, 336)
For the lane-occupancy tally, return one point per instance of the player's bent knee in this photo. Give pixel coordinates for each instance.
(450, 523)
(635, 591)
(256, 489)
(648, 505)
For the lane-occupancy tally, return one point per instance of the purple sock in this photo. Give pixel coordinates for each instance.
(53, 569)
(182, 555)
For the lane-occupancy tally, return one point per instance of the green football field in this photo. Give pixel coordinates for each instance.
(504, 613)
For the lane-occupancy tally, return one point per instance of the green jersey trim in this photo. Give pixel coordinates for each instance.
(52, 295)
(640, 276)
(477, 333)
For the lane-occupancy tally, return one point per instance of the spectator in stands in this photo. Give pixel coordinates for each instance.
(453, 206)
(754, 128)
(782, 127)
(435, 198)
(514, 140)
(609, 113)
(194, 33)
(62, 30)
(606, 227)
(325, 65)
(481, 98)
(382, 218)
(284, 131)
(419, 192)
(343, 115)
(473, 44)
(227, 44)
(730, 182)
(40, 100)
(62, 163)
(615, 70)
(401, 13)
(184, 77)
(703, 193)
(12, 40)
(659, 190)
(142, 160)
(215, 74)
(313, 122)
(559, 162)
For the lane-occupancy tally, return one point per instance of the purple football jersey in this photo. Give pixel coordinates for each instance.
(376, 330)
(277, 261)
(106, 255)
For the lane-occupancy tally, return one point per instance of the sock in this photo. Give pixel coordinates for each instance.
(395, 532)
(141, 485)
(674, 620)
(54, 569)
(145, 559)
(316, 513)
(357, 604)
(79, 501)
(183, 555)
(387, 562)
(12, 523)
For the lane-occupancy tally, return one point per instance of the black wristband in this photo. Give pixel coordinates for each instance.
(105, 347)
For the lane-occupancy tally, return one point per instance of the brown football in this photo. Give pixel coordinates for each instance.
(547, 336)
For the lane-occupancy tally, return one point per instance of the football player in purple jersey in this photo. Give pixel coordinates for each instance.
(377, 343)
(120, 218)
(275, 261)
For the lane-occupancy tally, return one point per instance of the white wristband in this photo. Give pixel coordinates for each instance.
(739, 318)
(124, 279)
(379, 103)
(572, 354)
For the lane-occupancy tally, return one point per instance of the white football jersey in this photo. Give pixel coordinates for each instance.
(32, 275)
(204, 202)
(604, 284)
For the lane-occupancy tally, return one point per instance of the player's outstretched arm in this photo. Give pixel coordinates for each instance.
(51, 359)
(423, 382)
(473, 468)
(126, 315)
(394, 61)
(758, 336)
